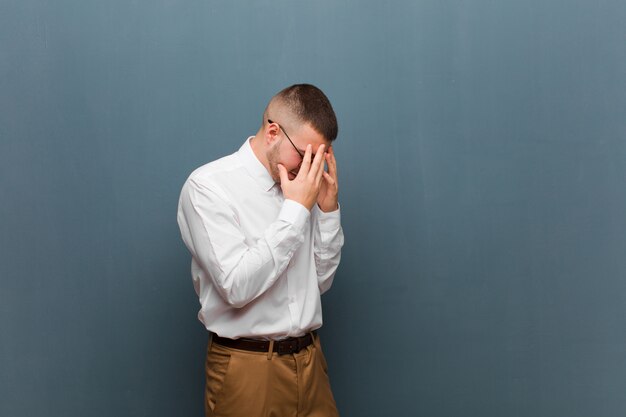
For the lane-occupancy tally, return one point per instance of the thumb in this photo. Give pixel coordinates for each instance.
(282, 171)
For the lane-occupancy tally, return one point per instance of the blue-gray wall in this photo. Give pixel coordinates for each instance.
(482, 157)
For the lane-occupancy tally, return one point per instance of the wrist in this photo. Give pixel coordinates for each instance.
(327, 208)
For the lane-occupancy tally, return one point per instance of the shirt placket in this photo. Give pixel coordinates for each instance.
(291, 276)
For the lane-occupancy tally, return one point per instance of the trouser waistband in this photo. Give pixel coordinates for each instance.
(282, 347)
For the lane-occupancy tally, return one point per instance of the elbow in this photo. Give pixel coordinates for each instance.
(325, 284)
(233, 295)
(236, 302)
(242, 285)
(234, 299)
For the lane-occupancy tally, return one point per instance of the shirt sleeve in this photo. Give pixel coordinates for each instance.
(328, 241)
(211, 231)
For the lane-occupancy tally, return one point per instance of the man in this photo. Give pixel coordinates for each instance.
(264, 232)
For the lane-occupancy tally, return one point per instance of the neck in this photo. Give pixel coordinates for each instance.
(258, 147)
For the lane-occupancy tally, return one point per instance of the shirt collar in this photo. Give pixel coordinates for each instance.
(254, 167)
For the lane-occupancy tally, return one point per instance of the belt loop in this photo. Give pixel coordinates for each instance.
(270, 351)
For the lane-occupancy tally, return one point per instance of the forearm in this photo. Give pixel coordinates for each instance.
(240, 271)
(328, 242)
(261, 264)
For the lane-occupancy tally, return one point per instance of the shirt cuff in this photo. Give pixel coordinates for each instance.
(328, 221)
(294, 213)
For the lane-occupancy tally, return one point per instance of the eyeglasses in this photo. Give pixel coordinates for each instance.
(288, 138)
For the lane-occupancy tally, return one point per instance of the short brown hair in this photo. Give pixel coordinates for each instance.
(309, 104)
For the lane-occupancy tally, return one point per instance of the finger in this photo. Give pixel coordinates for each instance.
(315, 166)
(321, 170)
(332, 163)
(282, 172)
(330, 180)
(306, 160)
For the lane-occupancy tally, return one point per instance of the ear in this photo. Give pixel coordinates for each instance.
(272, 132)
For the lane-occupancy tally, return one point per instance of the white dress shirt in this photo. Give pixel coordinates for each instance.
(259, 262)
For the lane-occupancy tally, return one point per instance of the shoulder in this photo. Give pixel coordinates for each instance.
(217, 176)
(215, 170)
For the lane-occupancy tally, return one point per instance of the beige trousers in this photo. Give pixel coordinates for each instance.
(240, 383)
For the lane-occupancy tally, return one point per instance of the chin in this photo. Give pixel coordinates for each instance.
(274, 174)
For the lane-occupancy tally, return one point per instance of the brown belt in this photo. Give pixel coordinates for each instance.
(282, 347)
